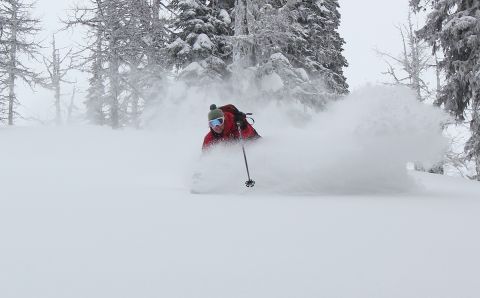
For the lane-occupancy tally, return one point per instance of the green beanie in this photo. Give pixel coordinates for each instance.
(214, 113)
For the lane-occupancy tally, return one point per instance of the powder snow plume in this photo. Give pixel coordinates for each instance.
(360, 144)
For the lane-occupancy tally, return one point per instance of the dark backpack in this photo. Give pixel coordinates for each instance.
(238, 115)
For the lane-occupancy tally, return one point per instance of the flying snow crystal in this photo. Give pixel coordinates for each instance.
(271, 82)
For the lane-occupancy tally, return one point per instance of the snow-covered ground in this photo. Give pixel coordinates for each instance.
(91, 212)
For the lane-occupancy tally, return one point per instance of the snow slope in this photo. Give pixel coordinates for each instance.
(90, 212)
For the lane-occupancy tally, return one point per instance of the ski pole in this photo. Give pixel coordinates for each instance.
(249, 182)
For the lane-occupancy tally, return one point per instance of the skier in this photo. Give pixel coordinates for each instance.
(224, 125)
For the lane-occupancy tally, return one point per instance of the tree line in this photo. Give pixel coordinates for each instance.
(134, 48)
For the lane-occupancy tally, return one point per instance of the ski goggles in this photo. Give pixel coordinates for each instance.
(216, 122)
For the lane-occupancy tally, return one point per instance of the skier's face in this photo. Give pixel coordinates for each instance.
(218, 128)
(217, 124)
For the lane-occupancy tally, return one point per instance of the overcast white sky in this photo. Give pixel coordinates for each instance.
(366, 25)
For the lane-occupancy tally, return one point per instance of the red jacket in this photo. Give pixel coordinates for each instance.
(230, 132)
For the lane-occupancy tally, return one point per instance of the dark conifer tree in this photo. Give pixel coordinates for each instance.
(200, 40)
(453, 26)
(318, 46)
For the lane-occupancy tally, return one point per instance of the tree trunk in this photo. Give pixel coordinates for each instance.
(114, 83)
(12, 65)
(58, 111)
(135, 111)
(475, 138)
(415, 71)
(439, 82)
(156, 12)
(56, 82)
(114, 88)
(98, 114)
(11, 93)
(135, 97)
(72, 105)
(244, 51)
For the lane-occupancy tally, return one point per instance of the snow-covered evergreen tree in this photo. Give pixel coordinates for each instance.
(278, 79)
(200, 44)
(3, 81)
(304, 31)
(294, 37)
(454, 27)
(145, 63)
(18, 32)
(126, 40)
(151, 34)
(106, 21)
(244, 47)
(96, 101)
(322, 56)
